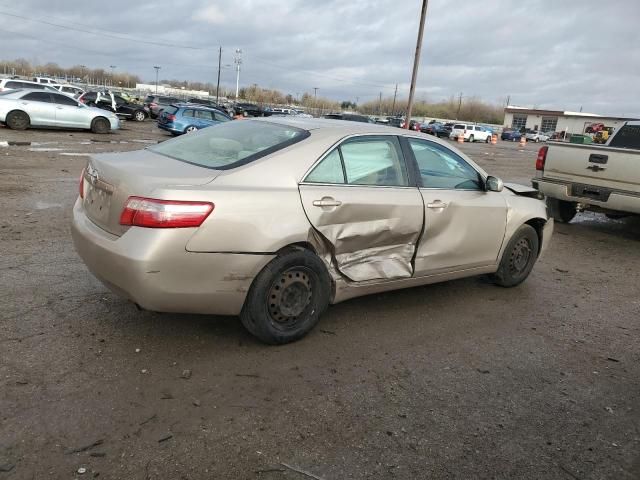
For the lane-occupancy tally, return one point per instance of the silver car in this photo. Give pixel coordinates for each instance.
(274, 219)
(24, 108)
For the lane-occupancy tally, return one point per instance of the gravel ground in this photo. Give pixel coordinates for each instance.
(456, 380)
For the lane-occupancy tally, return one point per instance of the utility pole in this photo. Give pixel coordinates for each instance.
(459, 105)
(395, 94)
(219, 68)
(157, 70)
(315, 94)
(380, 104)
(238, 61)
(416, 62)
(508, 100)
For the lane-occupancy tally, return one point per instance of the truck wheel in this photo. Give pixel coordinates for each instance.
(518, 258)
(18, 120)
(287, 297)
(561, 210)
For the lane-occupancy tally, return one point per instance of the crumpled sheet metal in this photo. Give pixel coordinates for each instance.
(392, 261)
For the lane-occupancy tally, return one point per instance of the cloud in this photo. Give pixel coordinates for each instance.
(550, 54)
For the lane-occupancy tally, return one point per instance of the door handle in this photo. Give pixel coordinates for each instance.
(596, 168)
(437, 204)
(327, 202)
(59, 108)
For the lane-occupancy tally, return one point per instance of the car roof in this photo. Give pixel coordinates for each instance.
(330, 126)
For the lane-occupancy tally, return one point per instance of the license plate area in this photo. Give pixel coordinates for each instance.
(97, 200)
(599, 194)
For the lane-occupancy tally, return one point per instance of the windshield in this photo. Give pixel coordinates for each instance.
(231, 144)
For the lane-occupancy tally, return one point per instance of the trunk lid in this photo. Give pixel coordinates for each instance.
(111, 178)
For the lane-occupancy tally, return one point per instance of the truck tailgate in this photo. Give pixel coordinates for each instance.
(612, 168)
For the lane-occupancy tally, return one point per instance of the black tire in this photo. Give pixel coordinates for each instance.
(561, 211)
(139, 116)
(191, 129)
(518, 258)
(100, 125)
(18, 120)
(287, 297)
(472, 139)
(488, 139)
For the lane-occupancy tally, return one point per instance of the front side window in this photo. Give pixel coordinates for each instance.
(231, 144)
(38, 97)
(368, 160)
(441, 168)
(64, 100)
(220, 117)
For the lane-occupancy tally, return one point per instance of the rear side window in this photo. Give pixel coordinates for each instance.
(38, 97)
(15, 85)
(220, 117)
(231, 144)
(188, 113)
(204, 114)
(627, 137)
(64, 100)
(148, 99)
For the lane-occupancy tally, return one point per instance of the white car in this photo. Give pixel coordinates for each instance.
(471, 133)
(21, 109)
(537, 136)
(15, 84)
(69, 90)
(45, 80)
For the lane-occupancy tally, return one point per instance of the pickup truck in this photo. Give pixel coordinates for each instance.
(604, 178)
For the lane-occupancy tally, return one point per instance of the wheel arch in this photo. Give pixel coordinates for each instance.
(538, 225)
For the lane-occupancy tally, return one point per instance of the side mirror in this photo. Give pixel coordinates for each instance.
(494, 184)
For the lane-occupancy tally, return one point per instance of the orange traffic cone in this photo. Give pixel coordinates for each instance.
(494, 139)
(460, 138)
(523, 141)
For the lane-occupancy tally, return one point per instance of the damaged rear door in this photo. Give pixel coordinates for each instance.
(360, 198)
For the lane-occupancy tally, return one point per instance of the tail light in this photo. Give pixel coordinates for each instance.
(170, 117)
(152, 104)
(542, 158)
(81, 184)
(154, 213)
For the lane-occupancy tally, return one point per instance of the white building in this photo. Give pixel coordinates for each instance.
(556, 120)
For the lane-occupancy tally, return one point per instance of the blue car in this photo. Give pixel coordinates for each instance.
(513, 135)
(187, 118)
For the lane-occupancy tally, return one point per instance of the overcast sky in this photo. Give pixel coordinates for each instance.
(543, 53)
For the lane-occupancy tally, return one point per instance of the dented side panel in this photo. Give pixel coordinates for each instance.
(372, 232)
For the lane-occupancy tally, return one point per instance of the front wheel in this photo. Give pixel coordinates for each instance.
(139, 116)
(287, 298)
(561, 210)
(190, 129)
(472, 139)
(518, 258)
(100, 125)
(487, 140)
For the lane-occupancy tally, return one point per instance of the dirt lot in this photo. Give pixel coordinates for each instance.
(457, 380)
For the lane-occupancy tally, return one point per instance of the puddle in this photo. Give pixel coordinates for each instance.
(44, 149)
(47, 205)
(74, 154)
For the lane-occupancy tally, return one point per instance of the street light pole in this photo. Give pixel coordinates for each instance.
(416, 61)
(157, 70)
(219, 68)
(238, 60)
(112, 67)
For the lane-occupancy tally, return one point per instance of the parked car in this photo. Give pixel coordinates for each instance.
(45, 80)
(603, 178)
(275, 219)
(352, 117)
(396, 122)
(510, 134)
(21, 109)
(115, 103)
(69, 90)
(470, 133)
(414, 125)
(436, 129)
(251, 110)
(188, 118)
(537, 136)
(154, 104)
(12, 84)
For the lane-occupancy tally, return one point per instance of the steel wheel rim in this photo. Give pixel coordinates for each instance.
(520, 256)
(20, 120)
(290, 296)
(139, 116)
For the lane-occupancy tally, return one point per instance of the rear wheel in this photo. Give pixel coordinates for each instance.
(518, 258)
(488, 139)
(190, 129)
(18, 120)
(139, 116)
(472, 139)
(287, 298)
(561, 211)
(100, 125)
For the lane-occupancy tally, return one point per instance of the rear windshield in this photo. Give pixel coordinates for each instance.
(231, 144)
(627, 137)
(459, 127)
(171, 110)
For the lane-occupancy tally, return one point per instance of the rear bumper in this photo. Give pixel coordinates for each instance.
(619, 200)
(152, 268)
(169, 128)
